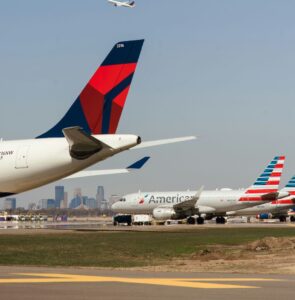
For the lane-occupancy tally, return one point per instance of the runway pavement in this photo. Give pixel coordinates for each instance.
(43, 228)
(87, 283)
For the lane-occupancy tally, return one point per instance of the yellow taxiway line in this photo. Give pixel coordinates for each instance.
(201, 283)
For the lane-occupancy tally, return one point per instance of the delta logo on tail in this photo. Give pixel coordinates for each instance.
(267, 184)
(99, 106)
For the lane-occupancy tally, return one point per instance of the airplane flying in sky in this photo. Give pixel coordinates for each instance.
(277, 208)
(85, 135)
(130, 4)
(179, 205)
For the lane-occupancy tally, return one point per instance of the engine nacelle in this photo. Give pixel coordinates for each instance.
(164, 213)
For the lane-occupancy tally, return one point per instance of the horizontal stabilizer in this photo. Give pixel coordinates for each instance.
(90, 173)
(139, 164)
(164, 142)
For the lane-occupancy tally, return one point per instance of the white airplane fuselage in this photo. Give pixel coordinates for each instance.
(122, 4)
(27, 164)
(210, 202)
(272, 207)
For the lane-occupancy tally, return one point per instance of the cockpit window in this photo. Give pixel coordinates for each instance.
(122, 200)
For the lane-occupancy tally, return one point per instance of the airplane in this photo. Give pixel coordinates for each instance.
(278, 208)
(85, 135)
(178, 205)
(130, 4)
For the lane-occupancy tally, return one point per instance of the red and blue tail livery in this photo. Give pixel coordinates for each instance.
(98, 108)
(268, 182)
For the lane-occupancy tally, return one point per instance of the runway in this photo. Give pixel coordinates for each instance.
(87, 283)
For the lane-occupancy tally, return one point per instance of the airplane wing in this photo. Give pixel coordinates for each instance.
(136, 166)
(83, 145)
(188, 205)
(163, 142)
(275, 196)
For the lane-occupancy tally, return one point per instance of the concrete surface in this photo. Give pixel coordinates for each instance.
(87, 283)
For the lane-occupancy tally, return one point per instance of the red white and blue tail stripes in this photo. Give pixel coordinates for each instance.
(289, 200)
(98, 108)
(267, 183)
(290, 185)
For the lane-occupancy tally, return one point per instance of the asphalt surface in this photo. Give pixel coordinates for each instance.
(50, 227)
(86, 283)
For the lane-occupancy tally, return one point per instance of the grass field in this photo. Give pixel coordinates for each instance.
(121, 249)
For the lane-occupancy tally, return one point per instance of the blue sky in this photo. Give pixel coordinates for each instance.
(221, 70)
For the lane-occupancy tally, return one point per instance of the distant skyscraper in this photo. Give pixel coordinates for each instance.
(9, 203)
(90, 203)
(47, 203)
(65, 201)
(100, 197)
(43, 204)
(75, 202)
(59, 195)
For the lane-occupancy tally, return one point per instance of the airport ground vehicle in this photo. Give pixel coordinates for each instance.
(132, 220)
(142, 220)
(122, 220)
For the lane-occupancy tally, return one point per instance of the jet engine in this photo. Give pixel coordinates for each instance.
(164, 213)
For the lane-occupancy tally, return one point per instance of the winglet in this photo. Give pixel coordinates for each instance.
(199, 192)
(139, 164)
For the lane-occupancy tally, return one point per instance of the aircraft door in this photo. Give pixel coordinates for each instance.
(22, 157)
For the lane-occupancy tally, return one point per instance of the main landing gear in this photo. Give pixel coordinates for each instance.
(191, 221)
(220, 220)
(198, 220)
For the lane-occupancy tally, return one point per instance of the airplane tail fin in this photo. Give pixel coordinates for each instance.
(290, 186)
(267, 183)
(99, 106)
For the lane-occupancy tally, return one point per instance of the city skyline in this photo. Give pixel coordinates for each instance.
(60, 200)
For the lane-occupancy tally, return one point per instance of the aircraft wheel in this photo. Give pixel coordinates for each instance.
(223, 220)
(292, 219)
(200, 221)
(191, 221)
(282, 219)
(220, 220)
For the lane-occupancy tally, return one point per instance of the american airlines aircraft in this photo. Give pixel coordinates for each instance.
(85, 135)
(179, 205)
(277, 208)
(130, 4)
